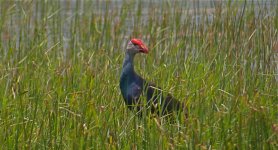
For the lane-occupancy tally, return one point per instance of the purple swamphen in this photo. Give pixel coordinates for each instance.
(138, 93)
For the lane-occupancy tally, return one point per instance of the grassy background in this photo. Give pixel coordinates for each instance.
(60, 67)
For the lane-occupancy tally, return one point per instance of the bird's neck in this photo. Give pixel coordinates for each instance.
(128, 66)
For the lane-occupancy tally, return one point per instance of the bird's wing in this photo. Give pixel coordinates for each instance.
(154, 94)
(165, 100)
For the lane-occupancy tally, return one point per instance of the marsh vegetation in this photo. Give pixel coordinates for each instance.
(60, 65)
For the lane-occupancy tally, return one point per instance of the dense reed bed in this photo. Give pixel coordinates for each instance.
(60, 64)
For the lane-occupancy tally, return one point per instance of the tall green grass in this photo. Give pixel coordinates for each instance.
(60, 67)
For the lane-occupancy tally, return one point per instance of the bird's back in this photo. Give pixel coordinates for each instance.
(162, 103)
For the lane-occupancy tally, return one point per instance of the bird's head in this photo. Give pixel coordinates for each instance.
(136, 46)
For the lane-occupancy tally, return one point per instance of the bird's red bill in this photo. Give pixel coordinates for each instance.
(141, 44)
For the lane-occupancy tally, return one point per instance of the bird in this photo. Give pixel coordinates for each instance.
(139, 93)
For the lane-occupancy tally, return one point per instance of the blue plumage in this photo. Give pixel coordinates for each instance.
(135, 89)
